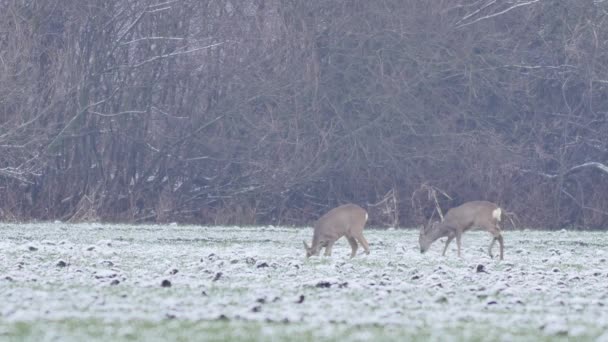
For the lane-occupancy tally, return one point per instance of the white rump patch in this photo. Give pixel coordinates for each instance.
(366, 216)
(497, 214)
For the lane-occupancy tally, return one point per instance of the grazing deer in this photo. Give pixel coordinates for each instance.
(482, 215)
(346, 220)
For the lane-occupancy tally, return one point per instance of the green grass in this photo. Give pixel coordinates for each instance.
(219, 330)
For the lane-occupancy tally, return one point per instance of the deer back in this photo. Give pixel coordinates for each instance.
(473, 214)
(347, 219)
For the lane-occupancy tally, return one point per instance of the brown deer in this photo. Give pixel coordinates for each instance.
(482, 215)
(346, 220)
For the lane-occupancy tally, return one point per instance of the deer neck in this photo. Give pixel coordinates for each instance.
(442, 230)
(316, 241)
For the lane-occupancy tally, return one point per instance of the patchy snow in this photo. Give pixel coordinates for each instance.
(185, 279)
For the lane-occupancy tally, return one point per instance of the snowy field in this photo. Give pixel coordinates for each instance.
(61, 282)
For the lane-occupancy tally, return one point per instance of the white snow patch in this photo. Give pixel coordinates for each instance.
(555, 285)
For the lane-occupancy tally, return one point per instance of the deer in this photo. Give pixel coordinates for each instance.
(346, 220)
(482, 215)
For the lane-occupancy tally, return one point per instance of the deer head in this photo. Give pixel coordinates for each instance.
(309, 250)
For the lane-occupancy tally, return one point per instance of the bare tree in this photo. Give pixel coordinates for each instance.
(266, 111)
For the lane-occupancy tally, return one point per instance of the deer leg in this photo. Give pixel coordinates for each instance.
(501, 244)
(491, 246)
(353, 245)
(458, 236)
(497, 237)
(363, 243)
(328, 248)
(447, 243)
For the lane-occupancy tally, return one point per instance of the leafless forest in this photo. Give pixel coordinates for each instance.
(271, 111)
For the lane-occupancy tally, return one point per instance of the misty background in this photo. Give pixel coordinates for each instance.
(273, 112)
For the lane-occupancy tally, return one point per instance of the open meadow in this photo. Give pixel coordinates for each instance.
(82, 282)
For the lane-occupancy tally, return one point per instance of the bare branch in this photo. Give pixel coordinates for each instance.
(573, 169)
(152, 38)
(497, 13)
(174, 54)
(126, 112)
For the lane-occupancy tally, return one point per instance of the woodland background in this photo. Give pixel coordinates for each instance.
(272, 112)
